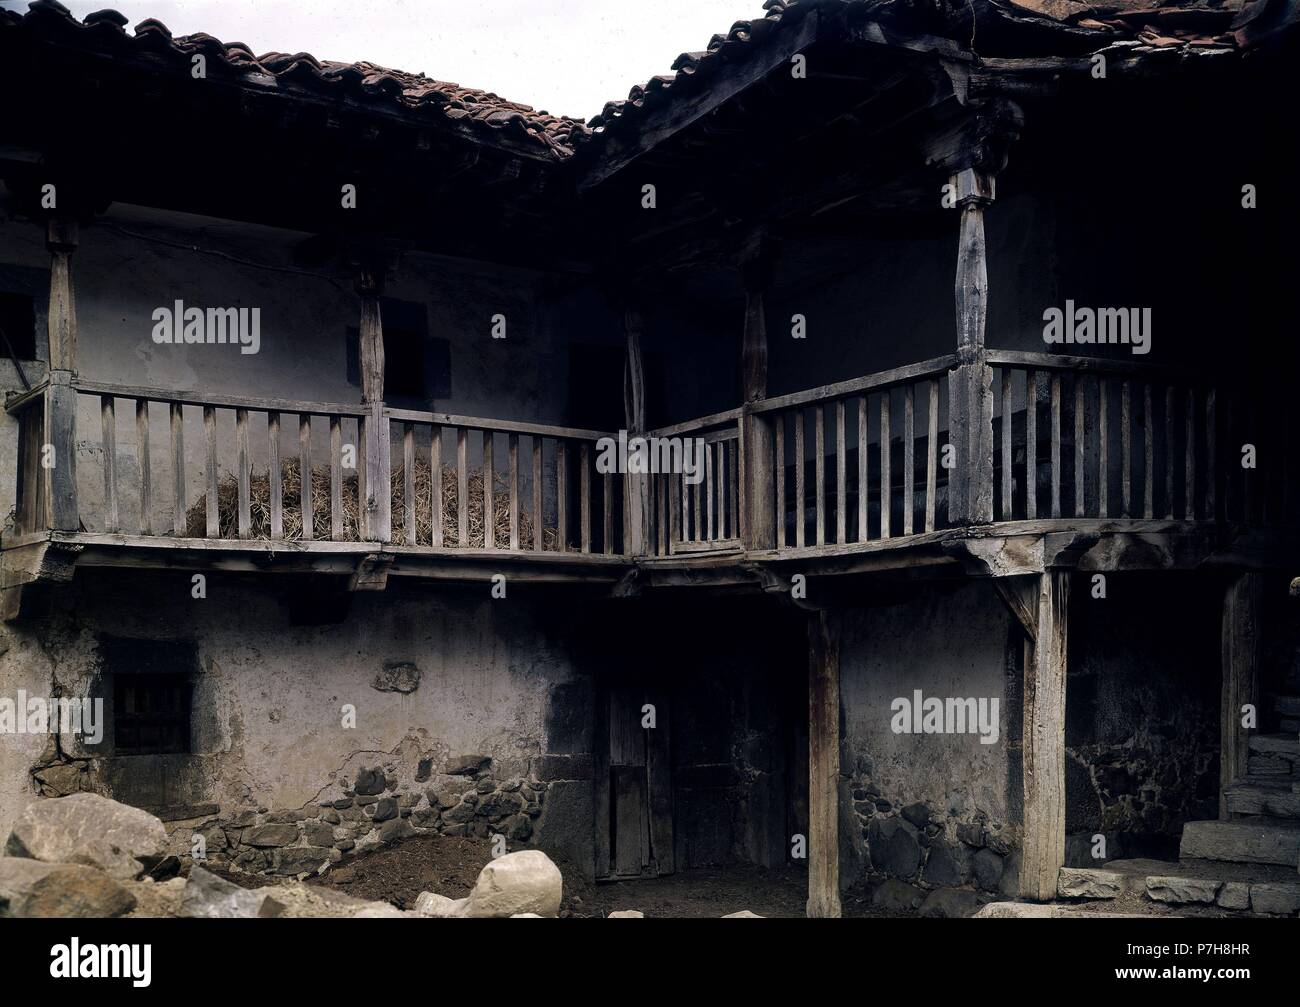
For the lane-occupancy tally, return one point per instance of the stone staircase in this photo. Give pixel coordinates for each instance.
(1251, 862)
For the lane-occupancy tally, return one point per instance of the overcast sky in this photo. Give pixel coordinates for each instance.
(565, 56)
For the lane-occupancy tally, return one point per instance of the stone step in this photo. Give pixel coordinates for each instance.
(1259, 888)
(1275, 797)
(1282, 745)
(1287, 706)
(1247, 842)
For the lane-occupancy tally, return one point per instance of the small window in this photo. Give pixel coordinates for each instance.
(17, 326)
(151, 714)
(417, 368)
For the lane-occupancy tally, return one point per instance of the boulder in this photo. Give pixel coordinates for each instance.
(31, 888)
(895, 846)
(950, 903)
(523, 882)
(626, 914)
(896, 895)
(947, 865)
(380, 911)
(987, 867)
(89, 829)
(744, 914)
(436, 906)
(209, 897)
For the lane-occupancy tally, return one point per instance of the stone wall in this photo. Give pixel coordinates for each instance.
(936, 808)
(287, 715)
(1142, 712)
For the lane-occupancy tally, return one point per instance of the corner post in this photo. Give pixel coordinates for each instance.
(60, 417)
(757, 517)
(1240, 655)
(636, 485)
(824, 764)
(970, 384)
(1043, 738)
(377, 510)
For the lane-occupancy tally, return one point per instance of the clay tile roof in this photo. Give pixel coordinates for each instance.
(488, 113)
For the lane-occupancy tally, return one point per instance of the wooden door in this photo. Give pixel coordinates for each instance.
(634, 806)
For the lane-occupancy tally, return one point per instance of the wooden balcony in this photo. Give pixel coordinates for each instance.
(1053, 455)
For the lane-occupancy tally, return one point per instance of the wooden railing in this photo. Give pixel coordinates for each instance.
(454, 482)
(1042, 437)
(857, 461)
(700, 510)
(1079, 437)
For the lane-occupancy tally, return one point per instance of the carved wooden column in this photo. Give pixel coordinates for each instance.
(61, 400)
(636, 506)
(759, 467)
(374, 471)
(970, 384)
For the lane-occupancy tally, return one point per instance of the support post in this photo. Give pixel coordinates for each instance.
(757, 511)
(377, 511)
(636, 484)
(823, 764)
(1043, 741)
(60, 419)
(970, 384)
(1240, 649)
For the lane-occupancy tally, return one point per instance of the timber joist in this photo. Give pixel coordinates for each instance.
(831, 575)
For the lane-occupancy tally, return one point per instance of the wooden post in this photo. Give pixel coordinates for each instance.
(1043, 751)
(823, 764)
(760, 468)
(637, 503)
(376, 516)
(1240, 645)
(970, 493)
(60, 418)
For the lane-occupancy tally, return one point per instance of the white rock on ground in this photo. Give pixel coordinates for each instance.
(523, 882)
(1089, 883)
(1176, 889)
(744, 914)
(30, 888)
(207, 896)
(436, 906)
(89, 829)
(626, 914)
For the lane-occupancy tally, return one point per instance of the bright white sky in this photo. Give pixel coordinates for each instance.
(564, 56)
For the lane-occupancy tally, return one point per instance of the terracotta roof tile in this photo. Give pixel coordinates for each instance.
(105, 31)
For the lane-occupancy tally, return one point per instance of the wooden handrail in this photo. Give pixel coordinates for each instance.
(856, 386)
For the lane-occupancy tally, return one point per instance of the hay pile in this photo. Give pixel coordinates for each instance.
(291, 492)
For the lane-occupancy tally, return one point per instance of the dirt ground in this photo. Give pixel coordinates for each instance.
(450, 866)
